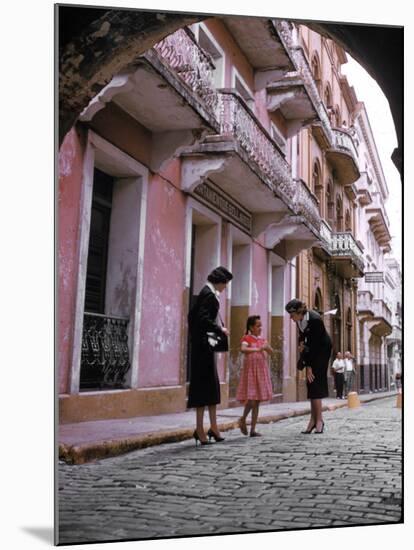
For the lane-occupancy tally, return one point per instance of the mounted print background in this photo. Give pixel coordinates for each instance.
(191, 141)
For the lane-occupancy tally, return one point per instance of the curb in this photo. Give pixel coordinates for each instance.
(89, 452)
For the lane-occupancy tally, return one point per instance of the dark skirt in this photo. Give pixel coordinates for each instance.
(319, 387)
(204, 387)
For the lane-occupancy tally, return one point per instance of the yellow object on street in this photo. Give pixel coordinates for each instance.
(353, 400)
(399, 400)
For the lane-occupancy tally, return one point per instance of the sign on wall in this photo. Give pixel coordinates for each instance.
(227, 207)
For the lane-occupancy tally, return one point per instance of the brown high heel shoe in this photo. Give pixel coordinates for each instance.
(211, 434)
(197, 438)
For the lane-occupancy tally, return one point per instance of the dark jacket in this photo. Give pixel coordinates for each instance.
(203, 315)
(318, 345)
(204, 381)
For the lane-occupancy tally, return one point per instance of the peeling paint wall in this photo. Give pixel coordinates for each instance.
(161, 323)
(260, 299)
(69, 204)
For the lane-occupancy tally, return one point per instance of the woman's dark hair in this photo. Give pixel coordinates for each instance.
(296, 306)
(220, 275)
(251, 321)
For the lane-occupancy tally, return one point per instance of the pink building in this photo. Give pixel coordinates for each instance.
(190, 159)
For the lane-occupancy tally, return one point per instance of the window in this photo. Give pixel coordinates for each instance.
(243, 90)
(348, 225)
(339, 215)
(317, 187)
(330, 203)
(208, 43)
(316, 72)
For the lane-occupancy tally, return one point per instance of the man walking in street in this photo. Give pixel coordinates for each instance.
(349, 372)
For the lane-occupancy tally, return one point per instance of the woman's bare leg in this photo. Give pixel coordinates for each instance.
(312, 419)
(212, 411)
(318, 414)
(199, 423)
(255, 415)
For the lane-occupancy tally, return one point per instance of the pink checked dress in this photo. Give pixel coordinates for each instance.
(254, 383)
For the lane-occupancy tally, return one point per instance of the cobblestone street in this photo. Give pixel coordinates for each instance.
(349, 475)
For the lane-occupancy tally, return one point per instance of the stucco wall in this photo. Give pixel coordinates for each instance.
(160, 349)
(69, 203)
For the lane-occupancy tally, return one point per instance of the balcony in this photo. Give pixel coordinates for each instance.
(311, 104)
(365, 305)
(379, 225)
(169, 91)
(363, 187)
(262, 46)
(381, 324)
(290, 96)
(346, 255)
(307, 207)
(242, 160)
(343, 157)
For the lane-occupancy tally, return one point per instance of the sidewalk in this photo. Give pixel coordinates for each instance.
(87, 441)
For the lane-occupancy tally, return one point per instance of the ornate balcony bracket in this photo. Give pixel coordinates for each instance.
(276, 232)
(262, 222)
(263, 78)
(170, 144)
(197, 169)
(121, 83)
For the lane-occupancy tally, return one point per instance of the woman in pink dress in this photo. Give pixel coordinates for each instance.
(255, 384)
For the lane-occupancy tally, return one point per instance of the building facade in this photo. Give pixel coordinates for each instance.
(230, 142)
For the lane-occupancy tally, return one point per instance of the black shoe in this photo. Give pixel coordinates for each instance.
(197, 438)
(211, 434)
(310, 430)
(320, 431)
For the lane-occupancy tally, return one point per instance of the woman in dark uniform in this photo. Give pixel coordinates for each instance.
(315, 348)
(204, 382)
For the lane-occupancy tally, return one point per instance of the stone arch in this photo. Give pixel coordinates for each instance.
(96, 43)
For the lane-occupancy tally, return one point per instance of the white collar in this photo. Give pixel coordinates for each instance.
(213, 290)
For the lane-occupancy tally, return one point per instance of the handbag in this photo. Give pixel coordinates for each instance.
(218, 342)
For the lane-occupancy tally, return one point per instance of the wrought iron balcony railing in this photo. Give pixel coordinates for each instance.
(182, 54)
(382, 310)
(365, 301)
(237, 121)
(105, 354)
(302, 66)
(307, 204)
(325, 235)
(344, 142)
(344, 244)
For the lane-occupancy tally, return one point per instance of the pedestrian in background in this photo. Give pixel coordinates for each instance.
(255, 384)
(315, 348)
(338, 366)
(205, 328)
(349, 371)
